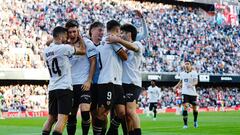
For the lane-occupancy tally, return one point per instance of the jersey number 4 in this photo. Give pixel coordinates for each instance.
(55, 68)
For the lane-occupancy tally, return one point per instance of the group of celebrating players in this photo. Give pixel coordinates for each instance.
(98, 74)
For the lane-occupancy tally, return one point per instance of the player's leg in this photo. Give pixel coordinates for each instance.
(132, 93)
(85, 111)
(193, 102)
(53, 111)
(60, 124)
(155, 111)
(93, 108)
(64, 98)
(120, 112)
(72, 118)
(134, 118)
(150, 110)
(178, 110)
(48, 124)
(185, 112)
(105, 102)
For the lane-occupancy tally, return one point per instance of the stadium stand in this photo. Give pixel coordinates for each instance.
(179, 33)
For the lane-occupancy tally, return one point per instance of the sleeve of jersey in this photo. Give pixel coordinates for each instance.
(195, 75)
(140, 47)
(69, 50)
(144, 33)
(117, 47)
(91, 49)
(181, 76)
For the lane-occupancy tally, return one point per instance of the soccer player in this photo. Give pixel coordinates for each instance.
(188, 81)
(60, 84)
(130, 46)
(220, 102)
(110, 92)
(96, 32)
(132, 81)
(178, 101)
(83, 68)
(154, 95)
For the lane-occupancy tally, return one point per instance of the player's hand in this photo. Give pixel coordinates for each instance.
(113, 39)
(86, 86)
(138, 13)
(49, 40)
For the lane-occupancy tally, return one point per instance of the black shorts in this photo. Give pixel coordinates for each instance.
(106, 95)
(153, 105)
(80, 96)
(94, 96)
(132, 92)
(120, 95)
(60, 101)
(189, 99)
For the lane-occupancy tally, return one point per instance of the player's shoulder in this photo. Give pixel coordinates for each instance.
(194, 72)
(88, 42)
(138, 43)
(182, 73)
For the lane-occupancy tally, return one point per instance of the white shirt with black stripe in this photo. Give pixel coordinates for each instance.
(59, 66)
(81, 64)
(110, 63)
(131, 67)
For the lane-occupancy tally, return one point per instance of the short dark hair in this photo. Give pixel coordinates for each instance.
(130, 28)
(72, 23)
(58, 30)
(94, 25)
(112, 24)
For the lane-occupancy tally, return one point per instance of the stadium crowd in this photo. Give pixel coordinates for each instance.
(34, 97)
(177, 34)
(207, 97)
(23, 97)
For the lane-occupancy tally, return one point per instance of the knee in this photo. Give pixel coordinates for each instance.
(131, 113)
(102, 113)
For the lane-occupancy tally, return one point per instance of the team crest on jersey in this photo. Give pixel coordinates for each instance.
(108, 102)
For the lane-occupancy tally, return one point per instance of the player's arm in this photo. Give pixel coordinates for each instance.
(195, 81)
(125, 43)
(91, 53)
(122, 54)
(49, 40)
(81, 49)
(144, 34)
(178, 85)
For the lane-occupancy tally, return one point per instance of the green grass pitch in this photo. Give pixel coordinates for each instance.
(211, 123)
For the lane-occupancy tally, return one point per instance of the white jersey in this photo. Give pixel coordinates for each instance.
(59, 66)
(110, 64)
(81, 64)
(187, 81)
(131, 67)
(154, 94)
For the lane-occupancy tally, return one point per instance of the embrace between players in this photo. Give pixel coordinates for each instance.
(98, 74)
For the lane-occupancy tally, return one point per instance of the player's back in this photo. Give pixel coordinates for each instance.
(110, 64)
(131, 72)
(57, 61)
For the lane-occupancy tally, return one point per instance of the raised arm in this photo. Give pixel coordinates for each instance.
(144, 33)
